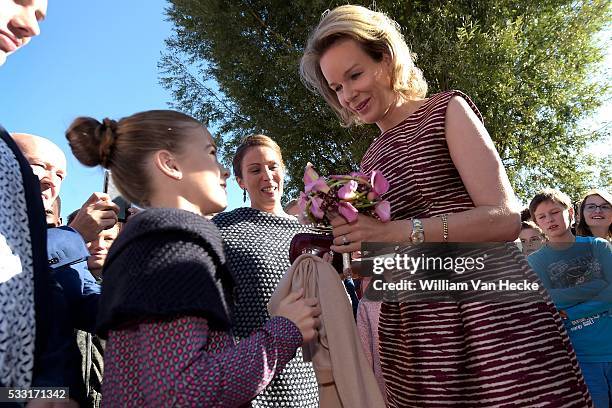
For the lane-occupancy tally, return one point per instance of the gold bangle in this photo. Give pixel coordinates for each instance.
(444, 227)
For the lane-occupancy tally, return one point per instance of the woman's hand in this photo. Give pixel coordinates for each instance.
(349, 236)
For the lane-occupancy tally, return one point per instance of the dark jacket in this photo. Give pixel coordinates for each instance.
(67, 256)
(166, 263)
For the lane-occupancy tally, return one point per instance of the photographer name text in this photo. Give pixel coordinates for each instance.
(447, 285)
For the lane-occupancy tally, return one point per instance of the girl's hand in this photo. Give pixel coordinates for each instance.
(304, 313)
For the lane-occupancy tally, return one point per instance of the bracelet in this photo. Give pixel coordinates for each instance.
(444, 227)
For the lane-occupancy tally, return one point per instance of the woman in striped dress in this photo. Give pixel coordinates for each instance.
(447, 183)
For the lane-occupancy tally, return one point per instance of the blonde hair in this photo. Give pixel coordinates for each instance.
(377, 35)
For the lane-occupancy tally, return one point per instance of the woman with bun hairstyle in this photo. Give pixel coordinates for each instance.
(447, 183)
(166, 298)
(596, 215)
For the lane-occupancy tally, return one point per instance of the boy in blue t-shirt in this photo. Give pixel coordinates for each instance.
(577, 272)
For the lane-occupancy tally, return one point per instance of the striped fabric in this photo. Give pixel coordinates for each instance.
(461, 353)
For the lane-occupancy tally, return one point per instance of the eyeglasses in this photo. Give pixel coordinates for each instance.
(602, 207)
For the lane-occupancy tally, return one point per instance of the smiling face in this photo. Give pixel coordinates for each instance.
(203, 181)
(361, 84)
(554, 219)
(19, 23)
(48, 163)
(262, 176)
(597, 212)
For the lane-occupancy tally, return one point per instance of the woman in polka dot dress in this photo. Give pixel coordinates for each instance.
(256, 241)
(167, 295)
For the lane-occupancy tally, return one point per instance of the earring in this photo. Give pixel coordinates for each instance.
(244, 195)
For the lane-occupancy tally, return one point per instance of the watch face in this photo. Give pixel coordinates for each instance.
(418, 237)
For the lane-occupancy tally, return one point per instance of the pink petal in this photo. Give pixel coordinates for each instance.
(383, 210)
(347, 191)
(310, 175)
(360, 177)
(372, 195)
(315, 207)
(321, 185)
(317, 185)
(379, 183)
(347, 211)
(302, 202)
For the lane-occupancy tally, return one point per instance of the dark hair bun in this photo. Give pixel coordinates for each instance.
(92, 142)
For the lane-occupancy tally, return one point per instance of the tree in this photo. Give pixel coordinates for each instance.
(529, 66)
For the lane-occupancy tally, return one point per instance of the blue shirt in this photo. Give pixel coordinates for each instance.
(579, 281)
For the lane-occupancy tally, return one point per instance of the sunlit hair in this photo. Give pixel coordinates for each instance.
(582, 228)
(124, 146)
(254, 141)
(377, 35)
(549, 194)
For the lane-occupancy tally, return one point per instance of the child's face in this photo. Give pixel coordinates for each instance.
(203, 180)
(98, 249)
(553, 218)
(531, 240)
(597, 211)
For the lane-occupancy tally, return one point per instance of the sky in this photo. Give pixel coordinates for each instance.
(99, 59)
(93, 58)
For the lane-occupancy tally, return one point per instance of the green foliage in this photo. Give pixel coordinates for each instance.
(528, 65)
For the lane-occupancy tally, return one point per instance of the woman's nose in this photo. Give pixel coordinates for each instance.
(349, 93)
(225, 172)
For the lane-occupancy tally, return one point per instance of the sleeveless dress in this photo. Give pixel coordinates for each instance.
(256, 246)
(454, 353)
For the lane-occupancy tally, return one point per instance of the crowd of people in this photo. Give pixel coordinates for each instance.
(175, 307)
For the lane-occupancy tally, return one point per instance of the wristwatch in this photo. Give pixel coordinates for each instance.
(418, 233)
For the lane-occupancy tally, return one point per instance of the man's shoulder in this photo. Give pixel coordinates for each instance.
(65, 246)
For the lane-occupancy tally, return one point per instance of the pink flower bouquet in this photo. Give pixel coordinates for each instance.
(347, 195)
